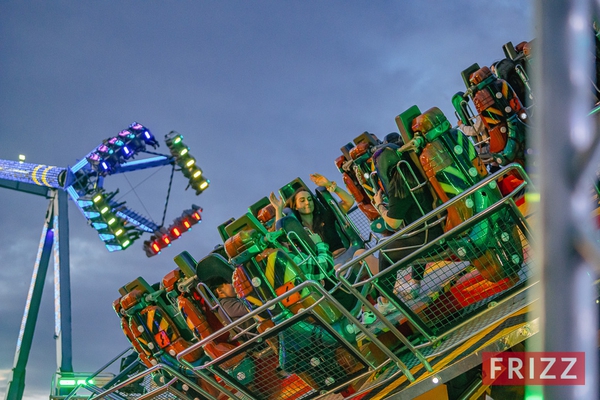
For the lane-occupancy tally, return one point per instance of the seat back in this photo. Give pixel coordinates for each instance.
(288, 190)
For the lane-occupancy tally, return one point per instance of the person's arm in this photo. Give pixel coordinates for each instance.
(234, 308)
(347, 201)
(278, 204)
(393, 223)
(324, 256)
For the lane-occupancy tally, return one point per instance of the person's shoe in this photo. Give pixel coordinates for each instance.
(385, 308)
(368, 318)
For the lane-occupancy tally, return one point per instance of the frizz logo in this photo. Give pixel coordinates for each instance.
(534, 368)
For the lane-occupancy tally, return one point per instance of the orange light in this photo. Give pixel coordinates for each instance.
(166, 239)
(196, 216)
(155, 247)
(187, 224)
(176, 232)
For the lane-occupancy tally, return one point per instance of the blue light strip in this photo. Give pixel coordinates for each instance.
(79, 165)
(143, 164)
(137, 220)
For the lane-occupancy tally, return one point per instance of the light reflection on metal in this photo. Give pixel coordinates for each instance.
(57, 311)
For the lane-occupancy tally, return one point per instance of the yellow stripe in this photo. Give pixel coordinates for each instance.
(504, 89)
(492, 110)
(33, 173)
(270, 270)
(149, 319)
(44, 176)
(490, 120)
(448, 188)
(451, 357)
(163, 324)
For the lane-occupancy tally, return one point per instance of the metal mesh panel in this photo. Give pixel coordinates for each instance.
(162, 383)
(301, 358)
(463, 272)
(363, 226)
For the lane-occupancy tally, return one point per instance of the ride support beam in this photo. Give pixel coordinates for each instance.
(16, 384)
(563, 135)
(62, 283)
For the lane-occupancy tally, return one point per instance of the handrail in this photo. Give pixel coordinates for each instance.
(443, 207)
(273, 302)
(417, 223)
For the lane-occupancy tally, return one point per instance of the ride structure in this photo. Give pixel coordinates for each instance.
(415, 346)
(117, 225)
(303, 338)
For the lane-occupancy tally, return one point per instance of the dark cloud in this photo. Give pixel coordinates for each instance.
(263, 92)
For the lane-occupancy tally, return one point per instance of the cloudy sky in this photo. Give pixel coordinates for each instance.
(263, 92)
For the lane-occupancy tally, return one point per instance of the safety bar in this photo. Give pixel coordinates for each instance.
(273, 302)
(473, 219)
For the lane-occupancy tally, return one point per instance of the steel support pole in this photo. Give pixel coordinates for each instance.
(62, 284)
(563, 136)
(16, 384)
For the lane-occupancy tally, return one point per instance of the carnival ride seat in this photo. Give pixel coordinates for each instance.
(501, 112)
(489, 238)
(155, 330)
(265, 271)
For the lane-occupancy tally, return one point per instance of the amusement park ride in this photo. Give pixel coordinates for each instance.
(357, 333)
(117, 225)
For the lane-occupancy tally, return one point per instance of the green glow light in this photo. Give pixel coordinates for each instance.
(534, 393)
(97, 198)
(204, 185)
(119, 232)
(112, 221)
(177, 139)
(197, 174)
(190, 163)
(66, 382)
(126, 243)
(183, 152)
(104, 210)
(532, 197)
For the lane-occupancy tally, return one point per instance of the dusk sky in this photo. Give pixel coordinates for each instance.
(263, 92)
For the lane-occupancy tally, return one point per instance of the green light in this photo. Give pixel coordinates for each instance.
(112, 221)
(532, 197)
(97, 198)
(119, 232)
(104, 210)
(126, 243)
(177, 139)
(534, 393)
(204, 185)
(197, 174)
(190, 163)
(66, 382)
(183, 152)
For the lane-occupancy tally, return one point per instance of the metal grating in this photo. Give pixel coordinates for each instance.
(301, 358)
(479, 262)
(363, 226)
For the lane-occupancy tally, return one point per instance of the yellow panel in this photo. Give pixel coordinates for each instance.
(437, 393)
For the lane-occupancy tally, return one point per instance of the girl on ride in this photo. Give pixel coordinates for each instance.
(321, 220)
